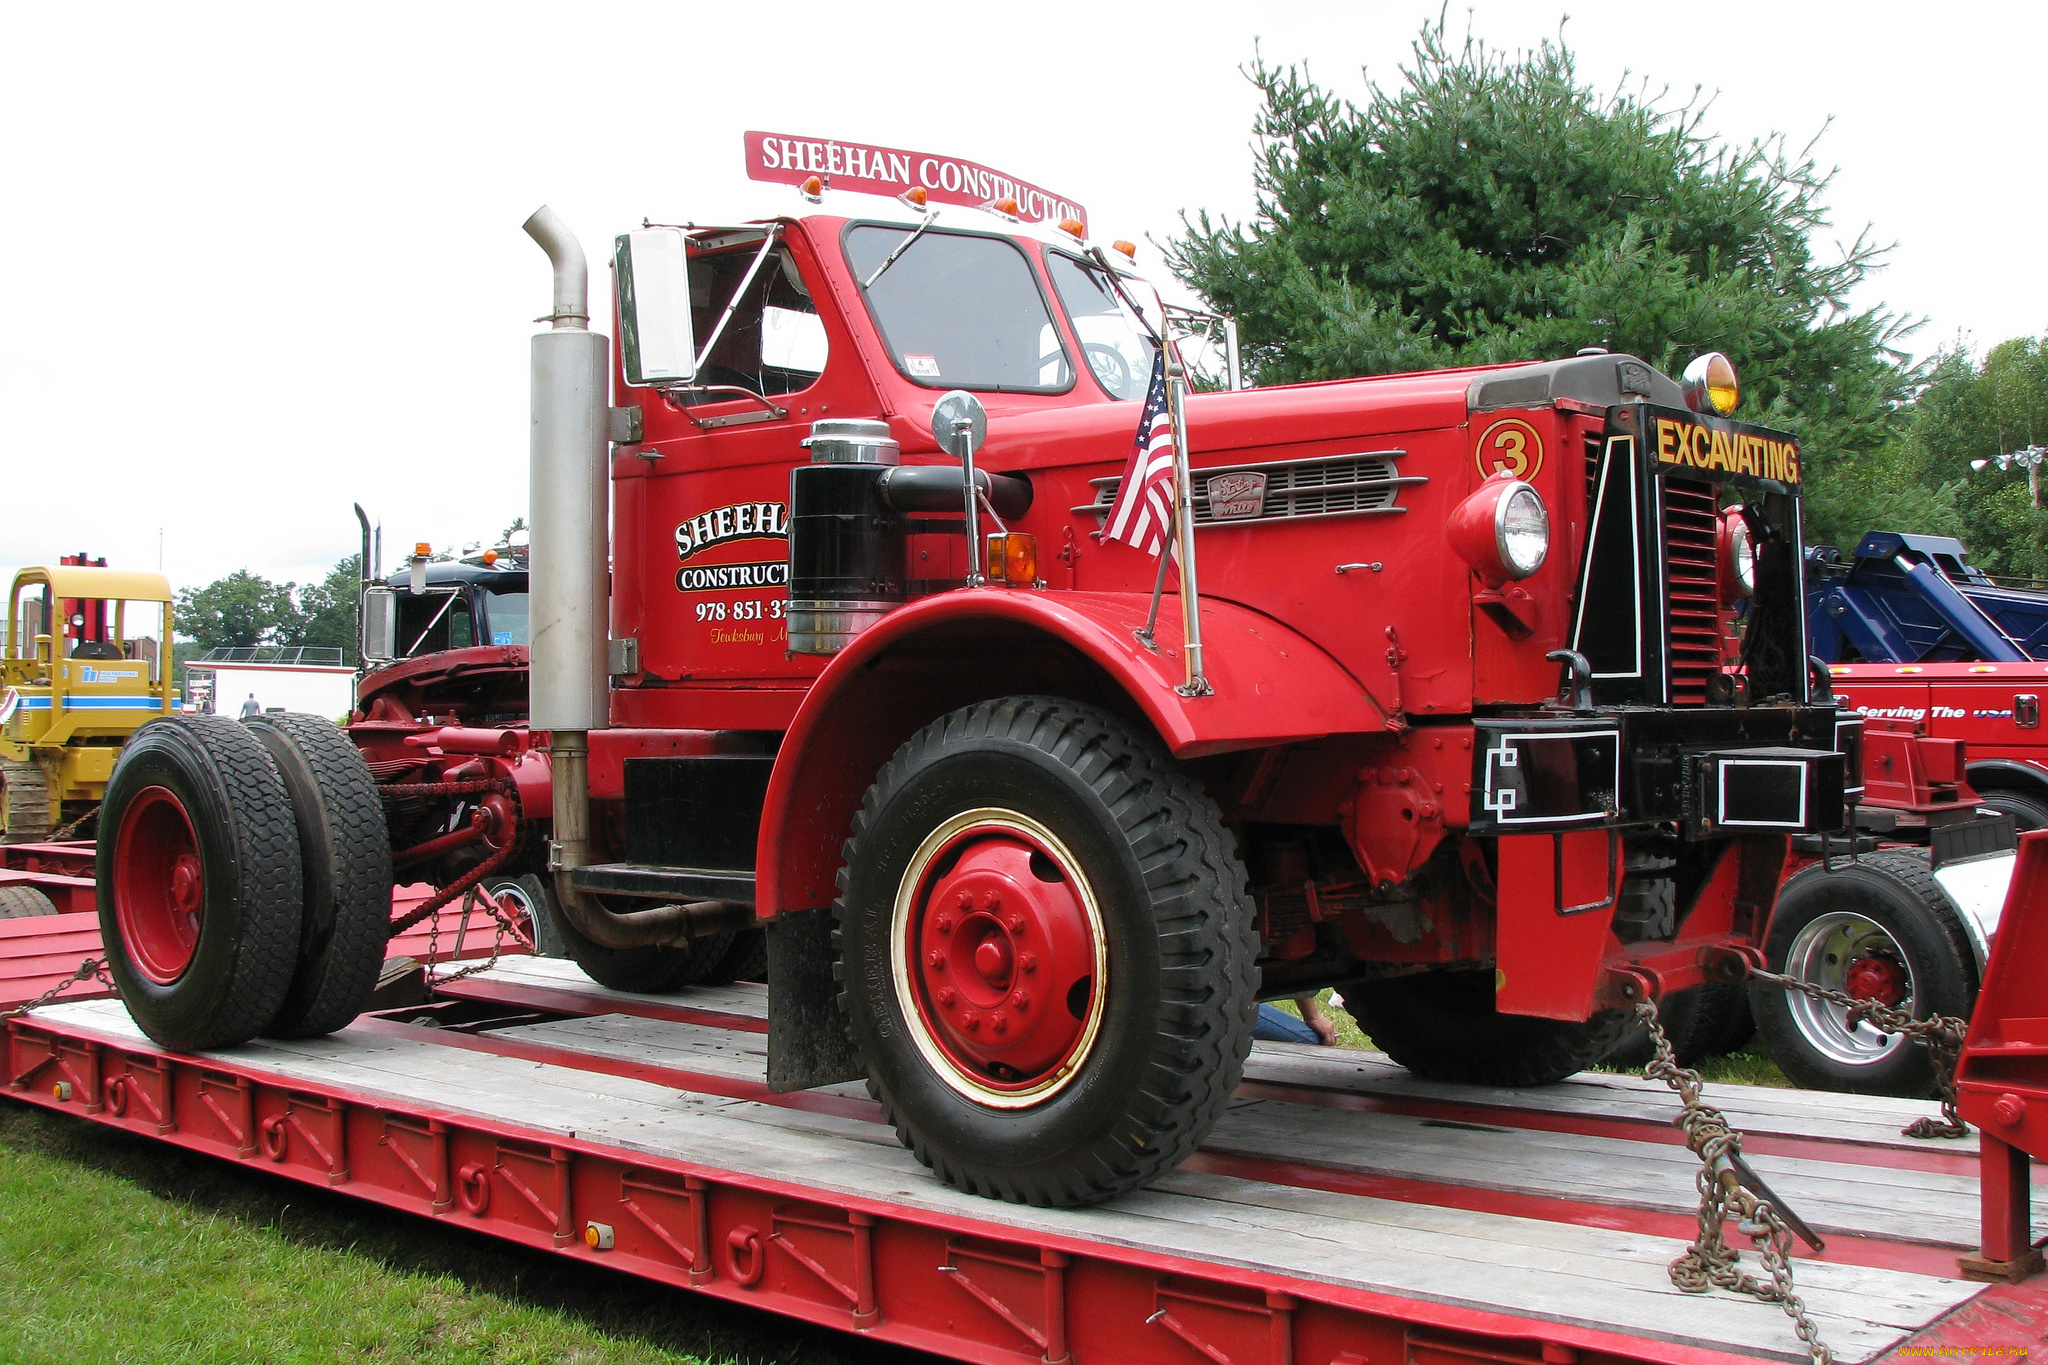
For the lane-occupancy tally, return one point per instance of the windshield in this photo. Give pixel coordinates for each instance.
(505, 613)
(1116, 345)
(960, 311)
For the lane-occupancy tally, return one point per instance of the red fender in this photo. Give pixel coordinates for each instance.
(1272, 686)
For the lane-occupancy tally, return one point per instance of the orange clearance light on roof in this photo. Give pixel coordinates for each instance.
(813, 190)
(1013, 558)
(915, 196)
(1074, 228)
(1129, 249)
(490, 558)
(1004, 208)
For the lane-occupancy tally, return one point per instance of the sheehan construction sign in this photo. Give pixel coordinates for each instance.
(868, 169)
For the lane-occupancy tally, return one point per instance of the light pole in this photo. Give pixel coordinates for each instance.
(2028, 458)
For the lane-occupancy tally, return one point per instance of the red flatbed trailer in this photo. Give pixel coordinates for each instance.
(1505, 1226)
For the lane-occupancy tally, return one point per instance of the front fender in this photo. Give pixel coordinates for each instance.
(1272, 686)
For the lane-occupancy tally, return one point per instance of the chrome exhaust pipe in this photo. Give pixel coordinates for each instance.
(568, 581)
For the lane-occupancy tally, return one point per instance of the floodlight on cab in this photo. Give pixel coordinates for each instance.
(1710, 385)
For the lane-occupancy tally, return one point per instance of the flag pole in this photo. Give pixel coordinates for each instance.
(1197, 684)
(1158, 591)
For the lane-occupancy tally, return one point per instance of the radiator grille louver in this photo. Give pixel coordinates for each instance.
(1294, 488)
(1692, 588)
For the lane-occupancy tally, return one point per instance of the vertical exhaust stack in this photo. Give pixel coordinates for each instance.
(567, 574)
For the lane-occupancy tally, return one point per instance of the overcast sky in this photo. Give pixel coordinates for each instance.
(265, 261)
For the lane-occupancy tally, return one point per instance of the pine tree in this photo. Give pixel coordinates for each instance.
(1494, 208)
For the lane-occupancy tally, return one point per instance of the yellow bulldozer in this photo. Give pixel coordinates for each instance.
(85, 662)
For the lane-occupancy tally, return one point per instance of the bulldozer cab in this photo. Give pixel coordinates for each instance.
(84, 663)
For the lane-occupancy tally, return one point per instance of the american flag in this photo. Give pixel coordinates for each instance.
(1144, 499)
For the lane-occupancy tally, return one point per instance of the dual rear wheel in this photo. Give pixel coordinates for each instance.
(244, 879)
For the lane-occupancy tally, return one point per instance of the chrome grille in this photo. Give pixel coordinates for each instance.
(1339, 486)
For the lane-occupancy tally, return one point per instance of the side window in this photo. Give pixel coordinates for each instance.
(775, 341)
(461, 627)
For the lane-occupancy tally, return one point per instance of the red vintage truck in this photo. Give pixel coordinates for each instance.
(1462, 737)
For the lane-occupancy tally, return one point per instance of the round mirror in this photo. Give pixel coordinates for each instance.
(953, 409)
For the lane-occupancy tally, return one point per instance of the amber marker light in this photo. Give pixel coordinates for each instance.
(1129, 249)
(1710, 385)
(916, 197)
(490, 558)
(1013, 558)
(422, 548)
(1074, 228)
(813, 189)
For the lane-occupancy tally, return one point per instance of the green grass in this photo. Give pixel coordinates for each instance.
(114, 1248)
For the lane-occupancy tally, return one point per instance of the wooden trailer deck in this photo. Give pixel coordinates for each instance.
(1339, 1192)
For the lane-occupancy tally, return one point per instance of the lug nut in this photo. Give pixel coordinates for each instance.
(966, 901)
(947, 995)
(999, 1021)
(1016, 924)
(1020, 1001)
(944, 924)
(970, 1021)
(992, 900)
(1028, 961)
(937, 959)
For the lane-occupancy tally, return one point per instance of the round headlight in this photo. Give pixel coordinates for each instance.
(1522, 531)
(1738, 556)
(1709, 385)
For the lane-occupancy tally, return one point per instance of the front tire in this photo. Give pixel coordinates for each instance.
(1443, 1026)
(1880, 929)
(1046, 954)
(199, 883)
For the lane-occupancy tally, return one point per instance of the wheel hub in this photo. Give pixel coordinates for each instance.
(1849, 953)
(159, 885)
(1877, 979)
(1003, 947)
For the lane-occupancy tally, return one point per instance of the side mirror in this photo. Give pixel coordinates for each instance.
(380, 625)
(959, 424)
(657, 342)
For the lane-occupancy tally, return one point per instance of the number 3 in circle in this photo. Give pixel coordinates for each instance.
(1510, 444)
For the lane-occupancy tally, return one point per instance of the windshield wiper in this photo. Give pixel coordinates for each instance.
(869, 282)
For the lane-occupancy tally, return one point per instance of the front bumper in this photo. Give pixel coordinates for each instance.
(1713, 772)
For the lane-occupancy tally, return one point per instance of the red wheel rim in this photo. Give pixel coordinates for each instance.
(1878, 979)
(1000, 957)
(159, 886)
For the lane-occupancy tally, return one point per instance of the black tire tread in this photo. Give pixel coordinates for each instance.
(334, 980)
(746, 960)
(2028, 809)
(1544, 1050)
(24, 902)
(265, 842)
(1209, 975)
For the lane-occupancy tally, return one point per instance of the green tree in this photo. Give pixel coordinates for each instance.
(1492, 208)
(239, 610)
(1970, 411)
(327, 609)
